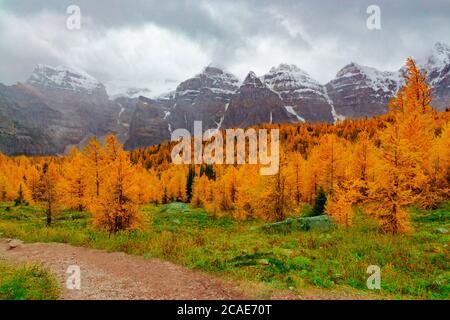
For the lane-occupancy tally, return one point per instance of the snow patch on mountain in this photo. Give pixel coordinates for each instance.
(166, 114)
(64, 78)
(252, 80)
(288, 77)
(368, 77)
(438, 58)
(336, 116)
(211, 78)
(436, 63)
(291, 110)
(221, 79)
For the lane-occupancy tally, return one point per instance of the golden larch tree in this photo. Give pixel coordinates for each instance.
(95, 163)
(47, 193)
(399, 172)
(76, 190)
(118, 206)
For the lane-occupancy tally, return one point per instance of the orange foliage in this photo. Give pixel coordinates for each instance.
(384, 164)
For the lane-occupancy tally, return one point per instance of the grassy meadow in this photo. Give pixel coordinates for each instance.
(414, 266)
(27, 282)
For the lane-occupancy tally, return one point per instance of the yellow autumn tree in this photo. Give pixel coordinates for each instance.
(175, 183)
(340, 204)
(294, 179)
(156, 187)
(271, 199)
(225, 190)
(76, 190)
(95, 163)
(438, 187)
(202, 191)
(399, 172)
(47, 194)
(118, 205)
(361, 166)
(247, 177)
(5, 188)
(331, 161)
(32, 182)
(311, 177)
(143, 185)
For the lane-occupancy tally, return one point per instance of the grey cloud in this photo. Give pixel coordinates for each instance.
(318, 36)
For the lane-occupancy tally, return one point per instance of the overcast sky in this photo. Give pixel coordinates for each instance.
(159, 43)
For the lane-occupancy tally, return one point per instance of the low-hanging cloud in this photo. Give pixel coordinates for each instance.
(152, 43)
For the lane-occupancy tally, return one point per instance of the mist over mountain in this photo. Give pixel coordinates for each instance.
(62, 106)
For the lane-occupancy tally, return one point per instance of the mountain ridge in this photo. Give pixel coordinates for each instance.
(72, 105)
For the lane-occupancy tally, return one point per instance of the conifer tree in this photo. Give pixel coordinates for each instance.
(76, 190)
(118, 207)
(47, 193)
(400, 171)
(319, 203)
(94, 154)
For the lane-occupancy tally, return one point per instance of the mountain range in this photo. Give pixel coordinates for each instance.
(62, 106)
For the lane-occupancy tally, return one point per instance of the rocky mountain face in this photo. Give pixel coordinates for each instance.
(63, 106)
(287, 94)
(302, 96)
(24, 118)
(149, 124)
(359, 91)
(202, 98)
(215, 97)
(437, 66)
(254, 102)
(55, 108)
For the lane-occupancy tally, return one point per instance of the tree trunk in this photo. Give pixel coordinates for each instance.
(49, 216)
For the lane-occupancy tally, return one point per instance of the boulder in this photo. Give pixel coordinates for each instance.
(322, 222)
(175, 207)
(14, 243)
(441, 230)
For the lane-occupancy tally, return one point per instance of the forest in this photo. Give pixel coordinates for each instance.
(380, 185)
(384, 165)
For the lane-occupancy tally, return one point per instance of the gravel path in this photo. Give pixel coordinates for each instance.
(119, 276)
(115, 275)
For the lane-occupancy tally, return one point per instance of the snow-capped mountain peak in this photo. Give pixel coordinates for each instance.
(286, 68)
(252, 80)
(437, 58)
(64, 78)
(297, 88)
(369, 77)
(212, 78)
(288, 77)
(442, 48)
(436, 63)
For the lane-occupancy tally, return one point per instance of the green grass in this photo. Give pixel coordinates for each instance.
(26, 283)
(412, 266)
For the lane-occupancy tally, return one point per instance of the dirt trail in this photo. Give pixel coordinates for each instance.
(113, 276)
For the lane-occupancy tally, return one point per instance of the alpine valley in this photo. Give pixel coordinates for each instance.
(58, 107)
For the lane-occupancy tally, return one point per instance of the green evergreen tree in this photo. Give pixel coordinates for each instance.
(20, 200)
(189, 183)
(319, 203)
